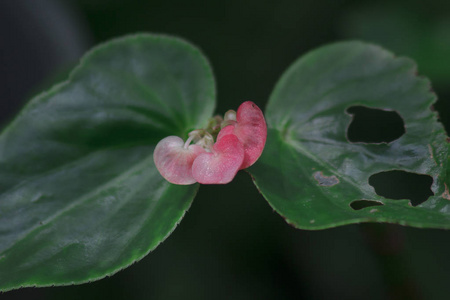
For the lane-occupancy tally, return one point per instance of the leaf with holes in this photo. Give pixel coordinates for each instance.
(317, 177)
(80, 196)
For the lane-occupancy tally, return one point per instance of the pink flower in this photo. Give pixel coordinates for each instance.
(174, 159)
(239, 145)
(251, 129)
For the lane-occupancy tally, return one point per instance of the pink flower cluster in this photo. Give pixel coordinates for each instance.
(238, 145)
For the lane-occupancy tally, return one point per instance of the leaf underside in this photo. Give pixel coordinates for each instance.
(310, 173)
(80, 197)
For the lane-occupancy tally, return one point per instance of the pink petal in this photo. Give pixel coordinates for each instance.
(174, 162)
(229, 129)
(221, 165)
(251, 130)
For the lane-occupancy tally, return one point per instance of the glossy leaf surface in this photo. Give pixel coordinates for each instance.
(80, 197)
(310, 173)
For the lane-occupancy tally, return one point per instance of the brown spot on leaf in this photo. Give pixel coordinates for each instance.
(431, 151)
(325, 180)
(446, 194)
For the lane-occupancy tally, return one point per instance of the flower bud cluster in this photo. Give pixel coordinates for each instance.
(240, 139)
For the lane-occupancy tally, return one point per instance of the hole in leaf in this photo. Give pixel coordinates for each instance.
(360, 204)
(402, 185)
(443, 107)
(372, 125)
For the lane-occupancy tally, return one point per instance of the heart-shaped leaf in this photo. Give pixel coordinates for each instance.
(310, 172)
(80, 197)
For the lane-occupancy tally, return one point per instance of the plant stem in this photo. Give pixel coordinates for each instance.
(388, 244)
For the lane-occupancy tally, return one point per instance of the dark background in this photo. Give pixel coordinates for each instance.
(231, 245)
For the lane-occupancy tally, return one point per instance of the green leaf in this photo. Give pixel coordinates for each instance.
(310, 173)
(80, 197)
